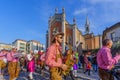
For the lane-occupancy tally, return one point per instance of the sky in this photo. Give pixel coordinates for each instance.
(28, 19)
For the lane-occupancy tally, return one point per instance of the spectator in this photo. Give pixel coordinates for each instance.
(105, 60)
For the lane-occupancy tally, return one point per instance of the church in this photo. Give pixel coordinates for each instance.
(72, 35)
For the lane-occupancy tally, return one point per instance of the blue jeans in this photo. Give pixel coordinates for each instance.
(95, 67)
(79, 64)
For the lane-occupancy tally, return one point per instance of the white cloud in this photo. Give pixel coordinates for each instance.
(105, 12)
(81, 11)
(111, 13)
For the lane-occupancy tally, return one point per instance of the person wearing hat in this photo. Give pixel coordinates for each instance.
(53, 57)
(13, 64)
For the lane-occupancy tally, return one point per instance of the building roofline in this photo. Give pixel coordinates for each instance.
(20, 40)
(112, 27)
(34, 41)
(5, 43)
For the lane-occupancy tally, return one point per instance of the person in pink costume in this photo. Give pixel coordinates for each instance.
(13, 64)
(3, 61)
(30, 65)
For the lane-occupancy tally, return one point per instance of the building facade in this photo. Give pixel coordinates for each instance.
(26, 46)
(113, 33)
(20, 44)
(92, 42)
(5, 46)
(59, 23)
(72, 35)
(34, 45)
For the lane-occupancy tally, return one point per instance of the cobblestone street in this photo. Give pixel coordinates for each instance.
(81, 76)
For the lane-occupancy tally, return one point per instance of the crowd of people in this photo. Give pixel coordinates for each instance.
(9, 59)
(101, 61)
(16, 61)
(60, 66)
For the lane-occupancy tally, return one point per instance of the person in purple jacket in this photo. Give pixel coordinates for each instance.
(105, 60)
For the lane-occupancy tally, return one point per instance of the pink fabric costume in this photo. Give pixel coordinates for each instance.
(31, 66)
(31, 63)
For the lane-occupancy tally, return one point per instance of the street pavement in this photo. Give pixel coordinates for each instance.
(93, 75)
(37, 76)
(24, 76)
